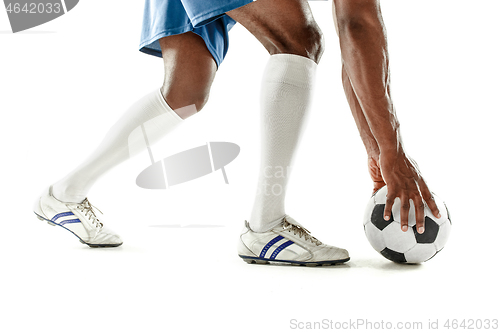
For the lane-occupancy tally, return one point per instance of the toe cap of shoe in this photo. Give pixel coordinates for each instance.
(106, 237)
(329, 253)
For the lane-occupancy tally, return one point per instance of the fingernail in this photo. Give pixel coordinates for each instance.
(421, 230)
(439, 216)
(386, 218)
(405, 228)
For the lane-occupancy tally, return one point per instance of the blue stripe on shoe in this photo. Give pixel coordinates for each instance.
(268, 245)
(61, 215)
(70, 221)
(280, 248)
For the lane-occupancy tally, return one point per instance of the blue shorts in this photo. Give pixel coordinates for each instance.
(205, 18)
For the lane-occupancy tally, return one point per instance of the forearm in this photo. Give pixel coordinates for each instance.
(364, 130)
(365, 60)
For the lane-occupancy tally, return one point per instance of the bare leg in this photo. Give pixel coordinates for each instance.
(189, 70)
(282, 26)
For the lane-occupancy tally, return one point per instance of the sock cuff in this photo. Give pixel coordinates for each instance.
(164, 105)
(290, 69)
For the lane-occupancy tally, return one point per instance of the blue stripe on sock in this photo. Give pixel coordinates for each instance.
(268, 245)
(280, 248)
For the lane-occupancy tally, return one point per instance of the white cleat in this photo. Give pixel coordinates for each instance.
(287, 243)
(78, 218)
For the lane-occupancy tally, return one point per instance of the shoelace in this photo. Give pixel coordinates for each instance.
(86, 208)
(301, 231)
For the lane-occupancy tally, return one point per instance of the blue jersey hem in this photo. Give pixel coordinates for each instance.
(145, 46)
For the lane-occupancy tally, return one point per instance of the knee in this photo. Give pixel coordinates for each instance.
(307, 42)
(189, 100)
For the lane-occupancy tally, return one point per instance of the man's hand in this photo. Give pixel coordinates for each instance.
(404, 181)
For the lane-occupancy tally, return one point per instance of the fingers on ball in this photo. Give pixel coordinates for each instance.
(405, 211)
(389, 202)
(429, 199)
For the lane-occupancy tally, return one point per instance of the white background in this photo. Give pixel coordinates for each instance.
(63, 84)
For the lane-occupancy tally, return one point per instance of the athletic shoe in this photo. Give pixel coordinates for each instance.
(78, 218)
(287, 243)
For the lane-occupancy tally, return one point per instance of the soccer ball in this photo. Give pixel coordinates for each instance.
(387, 238)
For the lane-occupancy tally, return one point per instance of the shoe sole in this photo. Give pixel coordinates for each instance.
(263, 261)
(41, 218)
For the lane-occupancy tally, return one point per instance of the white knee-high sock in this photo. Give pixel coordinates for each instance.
(150, 118)
(285, 97)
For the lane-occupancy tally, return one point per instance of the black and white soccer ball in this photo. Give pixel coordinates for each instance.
(387, 238)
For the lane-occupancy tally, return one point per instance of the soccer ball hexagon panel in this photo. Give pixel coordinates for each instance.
(387, 238)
